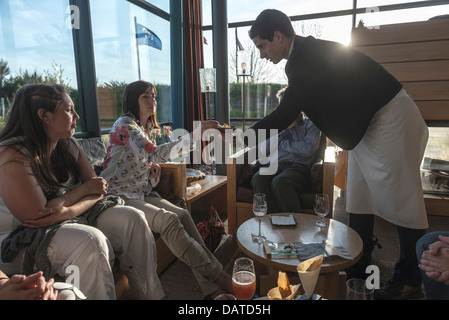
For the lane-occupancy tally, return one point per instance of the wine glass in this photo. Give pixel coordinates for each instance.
(356, 289)
(321, 208)
(243, 279)
(259, 210)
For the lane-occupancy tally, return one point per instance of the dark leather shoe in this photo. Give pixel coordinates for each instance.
(396, 290)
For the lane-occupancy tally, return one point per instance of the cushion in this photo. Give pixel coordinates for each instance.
(307, 200)
(245, 194)
(246, 173)
(165, 185)
(316, 178)
(94, 149)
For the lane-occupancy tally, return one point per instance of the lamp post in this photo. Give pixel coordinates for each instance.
(243, 72)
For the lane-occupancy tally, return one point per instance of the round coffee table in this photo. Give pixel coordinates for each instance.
(305, 230)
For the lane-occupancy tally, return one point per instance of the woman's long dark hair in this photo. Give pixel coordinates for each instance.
(24, 122)
(131, 96)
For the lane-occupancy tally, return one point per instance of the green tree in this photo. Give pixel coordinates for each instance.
(4, 70)
(10, 85)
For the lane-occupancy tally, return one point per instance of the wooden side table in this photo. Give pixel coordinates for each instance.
(213, 186)
(336, 233)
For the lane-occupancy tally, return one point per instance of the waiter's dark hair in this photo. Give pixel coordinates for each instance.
(269, 21)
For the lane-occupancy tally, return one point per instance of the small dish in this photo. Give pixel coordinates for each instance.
(274, 293)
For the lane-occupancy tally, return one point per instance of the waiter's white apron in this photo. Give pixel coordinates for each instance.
(384, 168)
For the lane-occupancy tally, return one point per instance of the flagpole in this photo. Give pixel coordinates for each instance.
(137, 47)
(236, 57)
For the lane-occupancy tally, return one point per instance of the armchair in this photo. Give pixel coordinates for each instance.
(240, 193)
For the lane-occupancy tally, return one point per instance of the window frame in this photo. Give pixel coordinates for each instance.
(85, 66)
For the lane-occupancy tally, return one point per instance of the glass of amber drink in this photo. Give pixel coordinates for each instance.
(243, 279)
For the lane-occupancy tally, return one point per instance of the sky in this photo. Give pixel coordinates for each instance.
(37, 36)
(34, 34)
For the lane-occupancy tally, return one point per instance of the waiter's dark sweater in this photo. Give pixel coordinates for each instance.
(337, 87)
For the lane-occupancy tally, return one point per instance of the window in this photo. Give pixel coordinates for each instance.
(252, 97)
(373, 3)
(121, 59)
(435, 166)
(36, 46)
(377, 17)
(336, 29)
(161, 4)
(328, 20)
(208, 49)
(249, 10)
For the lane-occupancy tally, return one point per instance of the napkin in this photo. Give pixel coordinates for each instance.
(283, 220)
(308, 277)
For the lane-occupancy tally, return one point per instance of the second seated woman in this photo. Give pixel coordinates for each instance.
(127, 169)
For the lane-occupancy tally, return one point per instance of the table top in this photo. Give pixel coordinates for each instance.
(336, 233)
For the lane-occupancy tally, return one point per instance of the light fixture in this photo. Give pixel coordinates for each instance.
(208, 85)
(208, 80)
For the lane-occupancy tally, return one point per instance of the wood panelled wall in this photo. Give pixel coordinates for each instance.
(417, 54)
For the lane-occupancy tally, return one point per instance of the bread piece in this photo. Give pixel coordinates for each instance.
(284, 285)
(314, 265)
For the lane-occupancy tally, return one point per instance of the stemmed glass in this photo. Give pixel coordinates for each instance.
(321, 208)
(259, 210)
(243, 279)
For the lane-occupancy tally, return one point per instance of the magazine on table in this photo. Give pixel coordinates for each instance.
(303, 251)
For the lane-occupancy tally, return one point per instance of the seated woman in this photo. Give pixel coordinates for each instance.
(127, 169)
(53, 210)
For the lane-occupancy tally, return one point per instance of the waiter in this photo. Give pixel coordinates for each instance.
(357, 104)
